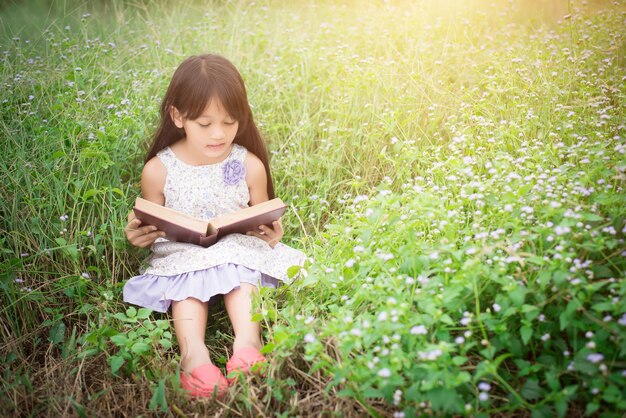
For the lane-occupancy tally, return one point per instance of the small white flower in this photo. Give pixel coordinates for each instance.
(419, 330)
(350, 263)
(595, 357)
(496, 307)
(85, 275)
(309, 338)
(356, 332)
(459, 340)
(384, 372)
(382, 316)
(484, 386)
(483, 396)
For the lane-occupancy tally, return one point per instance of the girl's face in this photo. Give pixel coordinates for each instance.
(208, 138)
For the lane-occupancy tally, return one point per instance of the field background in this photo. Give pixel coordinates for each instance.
(455, 171)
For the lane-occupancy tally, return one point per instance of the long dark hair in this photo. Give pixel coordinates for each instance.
(196, 81)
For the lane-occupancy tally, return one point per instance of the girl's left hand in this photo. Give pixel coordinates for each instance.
(270, 235)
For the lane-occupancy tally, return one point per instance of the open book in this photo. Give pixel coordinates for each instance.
(179, 226)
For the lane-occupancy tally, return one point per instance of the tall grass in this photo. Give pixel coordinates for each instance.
(455, 171)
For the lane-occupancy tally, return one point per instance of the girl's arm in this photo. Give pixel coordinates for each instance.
(256, 179)
(152, 183)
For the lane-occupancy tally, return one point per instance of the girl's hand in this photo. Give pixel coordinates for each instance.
(270, 235)
(141, 237)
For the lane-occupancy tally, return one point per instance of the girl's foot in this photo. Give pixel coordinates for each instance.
(204, 381)
(242, 361)
(197, 356)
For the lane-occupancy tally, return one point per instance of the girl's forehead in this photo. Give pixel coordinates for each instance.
(214, 107)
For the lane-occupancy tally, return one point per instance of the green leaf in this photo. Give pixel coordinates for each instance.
(139, 348)
(592, 217)
(158, 399)
(446, 400)
(268, 348)
(611, 394)
(131, 312)
(116, 362)
(120, 316)
(531, 312)
(143, 313)
(531, 390)
(57, 154)
(88, 353)
(90, 193)
(118, 191)
(459, 360)
(292, 271)
(57, 333)
(542, 411)
(526, 332)
(561, 407)
(119, 340)
(591, 408)
(372, 393)
(517, 296)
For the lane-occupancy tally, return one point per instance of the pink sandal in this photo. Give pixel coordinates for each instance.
(203, 381)
(242, 361)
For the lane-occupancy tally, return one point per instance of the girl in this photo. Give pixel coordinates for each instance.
(207, 158)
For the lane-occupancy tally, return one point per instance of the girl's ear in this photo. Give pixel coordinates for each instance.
(176, 117)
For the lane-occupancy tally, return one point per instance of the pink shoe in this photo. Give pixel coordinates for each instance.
(242, 361)
(203, 381)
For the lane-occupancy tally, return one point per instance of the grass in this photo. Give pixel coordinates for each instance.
(455, 172)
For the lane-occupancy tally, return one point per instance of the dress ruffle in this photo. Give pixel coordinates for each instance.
(170, 258)
(158, 292)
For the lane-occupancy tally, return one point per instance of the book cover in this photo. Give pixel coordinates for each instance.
(179, 226)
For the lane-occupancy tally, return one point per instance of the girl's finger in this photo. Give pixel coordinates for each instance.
(278, 227)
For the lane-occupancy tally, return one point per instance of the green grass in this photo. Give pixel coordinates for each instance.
(455, 172)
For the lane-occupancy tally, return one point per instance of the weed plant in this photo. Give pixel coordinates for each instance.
(455, 171)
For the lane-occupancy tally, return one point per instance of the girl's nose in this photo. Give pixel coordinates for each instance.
(218, 133)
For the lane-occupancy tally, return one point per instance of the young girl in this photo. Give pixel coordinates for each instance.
(207, 159)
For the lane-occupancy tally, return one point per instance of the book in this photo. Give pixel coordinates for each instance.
(179, 226)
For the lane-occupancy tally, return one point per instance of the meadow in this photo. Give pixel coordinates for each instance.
(454, 170)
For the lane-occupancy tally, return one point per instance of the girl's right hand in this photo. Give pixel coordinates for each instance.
(141, 236)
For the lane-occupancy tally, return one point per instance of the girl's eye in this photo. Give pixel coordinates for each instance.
(204, 126)
(230, 123)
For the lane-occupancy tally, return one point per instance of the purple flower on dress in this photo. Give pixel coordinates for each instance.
(234, 172)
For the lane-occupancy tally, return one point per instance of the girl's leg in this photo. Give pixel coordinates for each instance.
(190, 318)
(239, 307)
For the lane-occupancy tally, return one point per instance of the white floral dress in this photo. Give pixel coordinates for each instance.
(176, 270)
